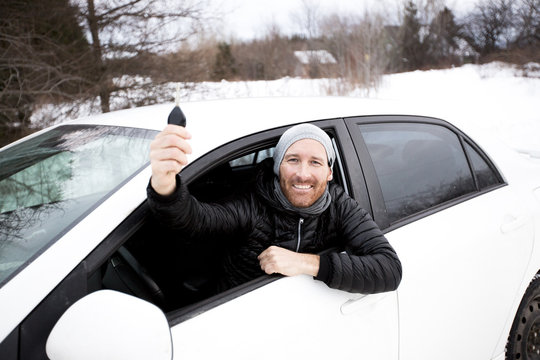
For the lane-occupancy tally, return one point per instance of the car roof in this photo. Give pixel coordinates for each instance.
(216, 122)
(256, 113)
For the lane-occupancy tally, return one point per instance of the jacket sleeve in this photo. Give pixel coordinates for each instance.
(369, 264)
(182, 211)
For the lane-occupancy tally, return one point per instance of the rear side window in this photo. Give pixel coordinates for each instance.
(485, 175)
(418, 166)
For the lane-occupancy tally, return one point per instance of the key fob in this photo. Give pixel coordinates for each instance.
(177, 117)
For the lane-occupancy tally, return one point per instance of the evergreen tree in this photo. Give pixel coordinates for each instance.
(410, 40)
(42, 58)
(225, 64)
(442, 39)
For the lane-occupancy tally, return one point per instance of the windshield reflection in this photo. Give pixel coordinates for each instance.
(51, 181)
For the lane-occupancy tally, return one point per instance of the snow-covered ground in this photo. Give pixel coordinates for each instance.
(504, 99)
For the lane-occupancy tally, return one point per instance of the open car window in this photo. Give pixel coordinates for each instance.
(186, 268)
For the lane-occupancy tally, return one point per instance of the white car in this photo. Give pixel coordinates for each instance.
(87, 273)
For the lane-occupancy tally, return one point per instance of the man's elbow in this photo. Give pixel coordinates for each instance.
(397, 274)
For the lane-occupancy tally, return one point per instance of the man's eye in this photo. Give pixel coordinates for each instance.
(316, 163)
(292, 160)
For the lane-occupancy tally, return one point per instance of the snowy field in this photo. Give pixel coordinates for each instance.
(504, 99)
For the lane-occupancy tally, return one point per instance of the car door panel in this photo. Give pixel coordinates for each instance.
(292, 318)
(463, 258)
(445, 290)
(9, 347)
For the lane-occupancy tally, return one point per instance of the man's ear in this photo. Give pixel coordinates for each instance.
(330, 176)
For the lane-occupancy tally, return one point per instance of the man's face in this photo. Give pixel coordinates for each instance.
(304, 172)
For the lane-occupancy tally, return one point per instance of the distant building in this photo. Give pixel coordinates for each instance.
(314, 63)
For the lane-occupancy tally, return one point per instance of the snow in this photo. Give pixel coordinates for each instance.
(503, 100)
(505, 104)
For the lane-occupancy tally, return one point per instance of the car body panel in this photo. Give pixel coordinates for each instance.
(472, 273)
(264, 325)
(445, 303)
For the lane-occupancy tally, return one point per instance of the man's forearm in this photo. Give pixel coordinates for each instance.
(311, 264)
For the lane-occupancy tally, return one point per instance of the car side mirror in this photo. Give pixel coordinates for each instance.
(108, 324)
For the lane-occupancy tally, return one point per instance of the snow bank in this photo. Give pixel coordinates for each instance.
(505, 100)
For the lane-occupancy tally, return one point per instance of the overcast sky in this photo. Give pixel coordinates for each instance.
(246, 19)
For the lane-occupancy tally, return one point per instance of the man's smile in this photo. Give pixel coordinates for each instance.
(302, 187)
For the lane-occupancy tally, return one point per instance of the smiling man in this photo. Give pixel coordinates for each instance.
(293, 213)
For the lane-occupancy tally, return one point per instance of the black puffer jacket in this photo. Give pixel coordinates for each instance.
(256, 219)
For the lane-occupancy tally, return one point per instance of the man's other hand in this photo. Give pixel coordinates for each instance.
(289, 263)
(168, 155)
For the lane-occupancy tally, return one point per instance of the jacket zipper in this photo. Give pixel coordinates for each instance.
(300, 222)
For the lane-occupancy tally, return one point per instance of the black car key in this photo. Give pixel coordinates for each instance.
(176, 116)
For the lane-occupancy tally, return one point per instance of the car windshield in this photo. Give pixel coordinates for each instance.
(51, 181)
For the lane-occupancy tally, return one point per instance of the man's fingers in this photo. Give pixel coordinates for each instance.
(163, 141)
(268, 260)
(169, 154)
(269, 268)
(167, 167)
(177, 130)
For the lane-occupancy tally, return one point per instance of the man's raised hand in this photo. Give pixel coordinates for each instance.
(168, 155)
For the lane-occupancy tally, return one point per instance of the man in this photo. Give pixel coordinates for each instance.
(292, 214)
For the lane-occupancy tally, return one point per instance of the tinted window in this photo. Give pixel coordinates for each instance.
(49, 181)
(418, 166)
(485, 176)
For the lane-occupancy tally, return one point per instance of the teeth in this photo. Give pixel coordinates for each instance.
(302, 186)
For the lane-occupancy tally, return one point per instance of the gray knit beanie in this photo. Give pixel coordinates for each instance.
(299, 132)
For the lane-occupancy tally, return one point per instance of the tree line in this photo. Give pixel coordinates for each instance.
(101, 51)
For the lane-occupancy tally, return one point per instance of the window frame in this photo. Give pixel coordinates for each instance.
(241, 147)
(465, 140)
(372, 181)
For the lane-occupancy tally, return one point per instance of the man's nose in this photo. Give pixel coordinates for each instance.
(302, 171)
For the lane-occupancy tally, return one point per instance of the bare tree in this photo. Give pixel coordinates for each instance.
(125, 29)
(308, 19)
(268, 58)
(358, 44)
(490, 27)
(527, 20)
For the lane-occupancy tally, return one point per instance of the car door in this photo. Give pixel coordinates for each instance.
(288, 317)
(463, 253)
